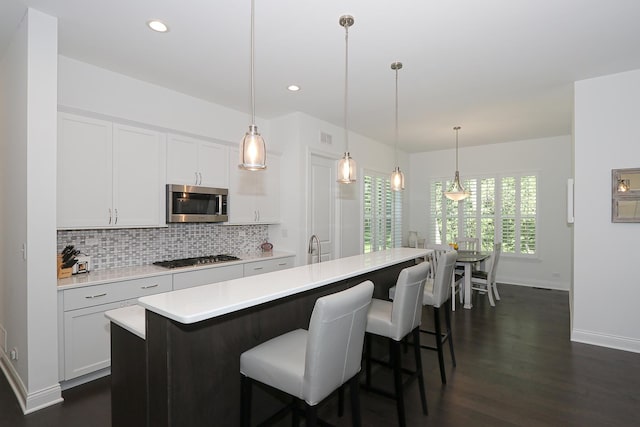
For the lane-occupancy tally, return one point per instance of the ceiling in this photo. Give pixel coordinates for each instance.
(501, 69)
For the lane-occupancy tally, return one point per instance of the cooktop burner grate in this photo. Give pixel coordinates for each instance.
(189, 262)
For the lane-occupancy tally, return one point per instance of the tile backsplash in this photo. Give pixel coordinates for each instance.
(129, 247)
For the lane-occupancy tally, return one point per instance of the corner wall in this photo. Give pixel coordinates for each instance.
(606, 287)
(29, 294)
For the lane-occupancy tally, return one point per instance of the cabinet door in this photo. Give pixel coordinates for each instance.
(84, 173)
(139, 176)
(244, 187)
(182, 160)
(87, 345)
(268, 200)
(213, 165)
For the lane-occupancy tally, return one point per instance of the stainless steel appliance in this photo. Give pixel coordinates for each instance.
(189, 203)
(189, 262)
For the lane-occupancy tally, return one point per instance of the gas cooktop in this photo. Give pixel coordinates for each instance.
(189, 262)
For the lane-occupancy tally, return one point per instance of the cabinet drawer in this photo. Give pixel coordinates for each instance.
(206, 276)
(267, 266)
(115, 291)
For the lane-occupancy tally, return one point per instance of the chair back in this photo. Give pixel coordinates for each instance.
(495, 257)
(406, 312)
(438, 251)
(442, 283)
(468, 244)
(335, 339)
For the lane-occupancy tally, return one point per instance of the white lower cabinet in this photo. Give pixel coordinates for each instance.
(86, 342)
(267, 266)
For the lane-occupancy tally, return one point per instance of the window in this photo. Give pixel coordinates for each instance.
(500, 208)
(382, 214)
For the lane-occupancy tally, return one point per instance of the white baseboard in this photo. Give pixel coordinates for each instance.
(559, 286)
(606, 340)
(29, 402)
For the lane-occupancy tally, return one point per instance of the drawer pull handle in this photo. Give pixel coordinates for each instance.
(96, 296)
(149, 286)
(258, 268)
(284, 263)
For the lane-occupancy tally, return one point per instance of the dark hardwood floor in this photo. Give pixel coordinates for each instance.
(516, 367)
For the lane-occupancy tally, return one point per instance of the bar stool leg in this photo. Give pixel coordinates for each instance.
(354, 388)
(295, 414)
(397, 376)
(447, 319)
(245, 401)
(312, 415)
(436, 315)
(367, 341)
(418, 354)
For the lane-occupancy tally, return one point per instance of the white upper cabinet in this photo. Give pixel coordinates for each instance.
(138, 176)
(254, 196)
(192, 161)
(109, 175)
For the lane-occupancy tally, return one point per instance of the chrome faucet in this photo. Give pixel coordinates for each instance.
(310, 251)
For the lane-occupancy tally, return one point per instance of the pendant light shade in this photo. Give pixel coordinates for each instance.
(397, 177)
(623, 185)
(253, 153)
(457, 192)
(346, 166)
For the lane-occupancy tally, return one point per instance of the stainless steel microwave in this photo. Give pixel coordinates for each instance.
(189, 203)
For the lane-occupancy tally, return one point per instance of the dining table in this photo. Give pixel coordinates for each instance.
(469, 259)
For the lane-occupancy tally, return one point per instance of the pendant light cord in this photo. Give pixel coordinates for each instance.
(253, 92)
(396, 142)
(457, 128)
(346, 84)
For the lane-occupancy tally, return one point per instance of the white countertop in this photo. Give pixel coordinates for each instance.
(204, 302)
(126, 273)
(130, 318)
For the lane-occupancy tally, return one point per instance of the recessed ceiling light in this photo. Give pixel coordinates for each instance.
(158, 26)
(293, 88)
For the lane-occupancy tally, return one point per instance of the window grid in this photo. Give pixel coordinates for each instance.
(500, 208)
(382, 214)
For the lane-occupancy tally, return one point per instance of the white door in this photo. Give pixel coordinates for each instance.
(322, 204)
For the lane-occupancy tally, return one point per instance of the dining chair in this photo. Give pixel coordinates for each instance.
(468, 243)
(396, 320)
(485, 281)
(457, 278)
(310, 365)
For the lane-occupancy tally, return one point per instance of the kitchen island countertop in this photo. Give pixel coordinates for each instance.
(205, 302)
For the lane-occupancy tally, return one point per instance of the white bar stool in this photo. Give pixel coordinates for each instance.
(396, 320)
(310, 365)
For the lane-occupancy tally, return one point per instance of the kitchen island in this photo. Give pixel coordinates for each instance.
(194, 337)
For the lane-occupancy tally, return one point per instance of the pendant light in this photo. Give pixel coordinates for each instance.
(397, 177)
(346, 165)
(253, 154)
(456, 191)
(623, 185)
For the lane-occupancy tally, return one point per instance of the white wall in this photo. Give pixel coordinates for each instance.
(28, 281)
(551, 159)
(606, 287)
(301, 134)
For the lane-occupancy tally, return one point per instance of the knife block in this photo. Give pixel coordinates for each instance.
(63, 272)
